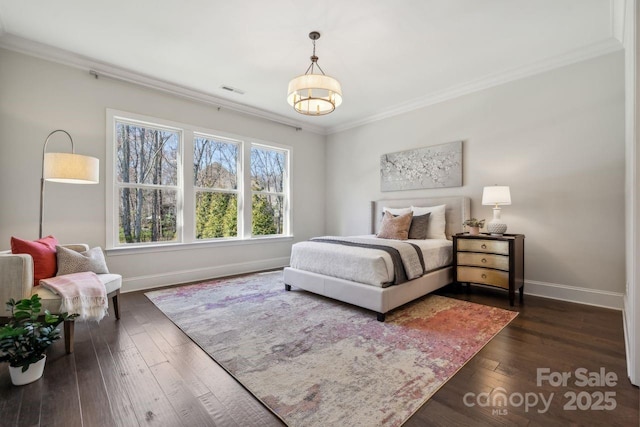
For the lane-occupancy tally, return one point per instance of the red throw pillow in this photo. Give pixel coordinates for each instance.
(43, 252)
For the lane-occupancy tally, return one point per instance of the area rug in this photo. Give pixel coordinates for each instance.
(318, 362)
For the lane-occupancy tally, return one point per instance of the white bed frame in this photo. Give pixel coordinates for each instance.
(383, 300)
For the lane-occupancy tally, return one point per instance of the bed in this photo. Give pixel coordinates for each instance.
(356, 287)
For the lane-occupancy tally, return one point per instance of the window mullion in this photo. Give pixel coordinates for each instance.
(214, 190)
(147, 186)
(270, 193)
(246, 191)
(189, 194)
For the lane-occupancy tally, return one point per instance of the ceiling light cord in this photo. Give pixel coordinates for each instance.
(314, 60)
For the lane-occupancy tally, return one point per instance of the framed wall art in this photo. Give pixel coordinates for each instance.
(436, 166)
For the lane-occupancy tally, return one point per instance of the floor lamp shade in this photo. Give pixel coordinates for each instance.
(71, 168)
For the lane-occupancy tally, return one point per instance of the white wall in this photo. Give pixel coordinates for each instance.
(632, 193)
(38, 96)
(557, 139)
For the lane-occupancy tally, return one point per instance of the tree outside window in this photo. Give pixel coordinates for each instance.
(147, 181)
(171, 182)
(215, 171)
(268, 174)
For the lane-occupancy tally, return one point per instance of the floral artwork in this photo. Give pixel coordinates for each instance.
(437, 166)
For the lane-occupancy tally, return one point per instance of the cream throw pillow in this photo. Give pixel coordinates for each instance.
(437, 221)
(396, 211)
(70, 261)
(395, 227)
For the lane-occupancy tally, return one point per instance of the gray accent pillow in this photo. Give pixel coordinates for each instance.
(419, 226)
(70, 261)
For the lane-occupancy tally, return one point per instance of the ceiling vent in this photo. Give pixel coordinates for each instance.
(232, 89)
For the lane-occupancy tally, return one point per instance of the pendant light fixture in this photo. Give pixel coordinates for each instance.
(314, 94)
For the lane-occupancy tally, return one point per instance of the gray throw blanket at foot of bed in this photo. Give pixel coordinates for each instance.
(408, 262)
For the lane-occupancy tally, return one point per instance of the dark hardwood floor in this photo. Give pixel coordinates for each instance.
(142, 370)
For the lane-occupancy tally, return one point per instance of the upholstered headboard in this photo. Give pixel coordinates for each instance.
(458, 210)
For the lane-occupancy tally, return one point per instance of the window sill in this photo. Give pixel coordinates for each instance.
(170, 247)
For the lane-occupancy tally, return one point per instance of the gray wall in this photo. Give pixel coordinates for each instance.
(39, 96)
(557, 139)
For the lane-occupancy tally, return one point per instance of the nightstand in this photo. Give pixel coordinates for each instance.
(490, 260)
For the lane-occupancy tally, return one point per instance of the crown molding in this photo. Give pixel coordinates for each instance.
(618, 19)
(102, 69)
(602, 48)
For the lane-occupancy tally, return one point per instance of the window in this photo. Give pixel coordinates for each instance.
(147, 183)
(215, 170)
(173, 183)
(268, 167)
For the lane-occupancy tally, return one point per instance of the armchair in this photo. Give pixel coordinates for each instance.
(16, 281)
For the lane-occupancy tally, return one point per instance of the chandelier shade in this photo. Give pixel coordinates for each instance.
(314, 94)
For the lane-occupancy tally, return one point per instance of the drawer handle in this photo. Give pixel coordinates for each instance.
(483, 246)
(484, 276)
(484, 260)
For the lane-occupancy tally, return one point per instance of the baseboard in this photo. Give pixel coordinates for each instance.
(152, 281)
(606, 299)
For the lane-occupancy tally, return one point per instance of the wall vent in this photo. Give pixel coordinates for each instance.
(232, 89)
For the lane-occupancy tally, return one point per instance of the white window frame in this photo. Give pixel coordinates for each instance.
(286, 184)
(238, 191)
(185, 209)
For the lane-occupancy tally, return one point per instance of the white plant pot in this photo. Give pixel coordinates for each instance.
(33, 373)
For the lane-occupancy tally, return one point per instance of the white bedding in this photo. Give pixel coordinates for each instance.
(364, 265)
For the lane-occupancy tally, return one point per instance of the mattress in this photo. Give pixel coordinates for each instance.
(369, 266)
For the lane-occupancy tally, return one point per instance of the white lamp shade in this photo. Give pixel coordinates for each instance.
(71, 168)
(496, 195)
(314, 94)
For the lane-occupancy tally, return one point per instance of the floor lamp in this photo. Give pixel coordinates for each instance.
(69, 168)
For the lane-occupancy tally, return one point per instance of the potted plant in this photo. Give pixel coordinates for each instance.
(26, 337)
(474, 226)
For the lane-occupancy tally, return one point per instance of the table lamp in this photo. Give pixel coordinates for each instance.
(496, 195)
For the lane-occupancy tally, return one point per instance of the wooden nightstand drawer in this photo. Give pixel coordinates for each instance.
(490, 260)
(501, 262)
(480, 245)
(483, 275)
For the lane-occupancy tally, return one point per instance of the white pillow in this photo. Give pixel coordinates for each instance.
(437, 221)
(396, 211)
